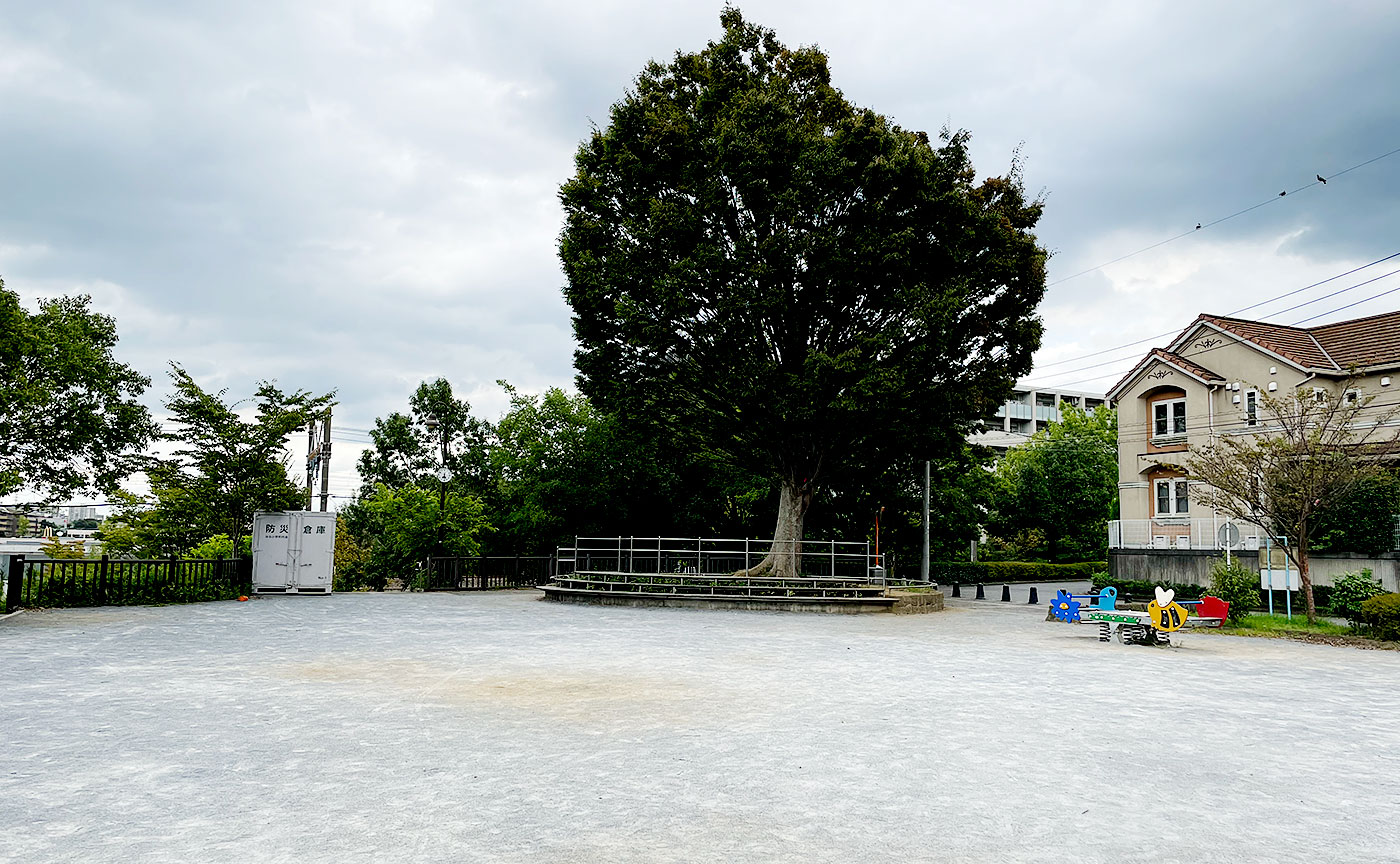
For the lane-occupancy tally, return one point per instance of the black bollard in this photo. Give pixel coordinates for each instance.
(1006, 593)
(1035, 598)
(956, 592)
(981, 594)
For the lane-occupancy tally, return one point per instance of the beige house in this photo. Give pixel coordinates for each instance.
(1207, 383)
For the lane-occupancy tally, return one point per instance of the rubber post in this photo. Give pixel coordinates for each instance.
(1035, 598)
(956, 592)
(1006, 593)
(981, 592)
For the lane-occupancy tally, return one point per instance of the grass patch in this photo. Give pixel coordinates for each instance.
(1265, 623)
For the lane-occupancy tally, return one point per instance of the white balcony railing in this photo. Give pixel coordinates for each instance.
(1178, 534)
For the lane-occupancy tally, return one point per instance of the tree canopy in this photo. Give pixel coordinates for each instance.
(1313, 451)
(1062, 485)
(224, 469)
(767, 273)
(69, 419)
(405, 450)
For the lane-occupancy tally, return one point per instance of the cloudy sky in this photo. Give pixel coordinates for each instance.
(361, 195)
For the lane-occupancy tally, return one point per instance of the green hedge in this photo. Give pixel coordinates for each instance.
(966, 572)
(1381, 614)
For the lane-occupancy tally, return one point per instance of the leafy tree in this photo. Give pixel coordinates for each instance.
(1313, 451)
(767, 274)
(22, 526)
(402, 527)
(1063, 484)
(439, 430)
(225, 468)
(219, 546)
(1363, 520)
(69, 419)
(84, 524)
(353, 561)
(53, 547)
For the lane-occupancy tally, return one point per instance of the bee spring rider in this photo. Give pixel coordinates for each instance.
(1155, 626)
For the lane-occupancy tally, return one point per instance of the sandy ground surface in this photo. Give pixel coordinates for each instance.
(491, 727)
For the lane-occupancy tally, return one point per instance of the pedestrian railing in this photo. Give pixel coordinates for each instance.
(486, 572)
(53, 583)
(1169, 533)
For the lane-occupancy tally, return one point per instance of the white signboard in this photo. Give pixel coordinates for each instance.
(293, 552)
(1279, 579)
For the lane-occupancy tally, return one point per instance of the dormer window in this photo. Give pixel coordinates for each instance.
(1169, 418)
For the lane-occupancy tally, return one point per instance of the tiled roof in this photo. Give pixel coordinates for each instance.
(1370, 341)
(1176, 359)
(1291, 343)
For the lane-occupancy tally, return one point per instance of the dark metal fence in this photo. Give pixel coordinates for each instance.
(51, 583)
(484, 572)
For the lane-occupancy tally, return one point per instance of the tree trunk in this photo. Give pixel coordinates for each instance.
(784, 559)
(1305, 582)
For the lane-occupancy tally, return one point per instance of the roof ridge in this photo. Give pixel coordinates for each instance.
(1329, 357)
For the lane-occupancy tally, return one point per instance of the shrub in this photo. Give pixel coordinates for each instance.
(1382, 614)
(1010, 571)
(1349, 591)
(1236, 585)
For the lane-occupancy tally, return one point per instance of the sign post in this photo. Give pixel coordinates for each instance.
(1228, 536)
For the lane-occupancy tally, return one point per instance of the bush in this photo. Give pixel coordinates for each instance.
(1382, 614)
(1010, 571)
(1237, 586)
(1349, 591)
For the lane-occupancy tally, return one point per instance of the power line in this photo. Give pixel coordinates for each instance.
(1135, 357)
(1228, 314)
(1203, 226)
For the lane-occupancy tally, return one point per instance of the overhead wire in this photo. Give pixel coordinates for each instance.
(1137, 356)
(1205, 225)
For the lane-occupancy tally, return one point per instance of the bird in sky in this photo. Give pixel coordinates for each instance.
(1198, 226)
(1283, 193)
(1322, 180)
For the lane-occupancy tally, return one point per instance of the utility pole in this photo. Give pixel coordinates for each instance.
(325, 459)
(924, 566)
(310, 459)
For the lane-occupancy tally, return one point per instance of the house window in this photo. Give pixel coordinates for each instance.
(1172, 499)
(1251, 407)
(1352, 397)
(1169, 418)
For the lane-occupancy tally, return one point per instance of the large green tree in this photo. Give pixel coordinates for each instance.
(1062, 485)
(765, 272)
(438, 430)
(69, 419)
(226, 467)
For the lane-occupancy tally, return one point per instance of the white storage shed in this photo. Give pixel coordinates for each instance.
(293, 552)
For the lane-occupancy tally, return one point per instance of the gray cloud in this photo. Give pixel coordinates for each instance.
(360, 195)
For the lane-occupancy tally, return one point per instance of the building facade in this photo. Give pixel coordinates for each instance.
(1208, 382)
(1029, 410)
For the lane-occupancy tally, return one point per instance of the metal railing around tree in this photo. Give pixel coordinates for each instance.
(55, 583)
(715, 557)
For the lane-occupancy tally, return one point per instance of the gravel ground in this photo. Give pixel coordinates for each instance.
(491, 727)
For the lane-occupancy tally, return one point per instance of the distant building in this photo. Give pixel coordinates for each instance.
(1029, 410)
(84, 512)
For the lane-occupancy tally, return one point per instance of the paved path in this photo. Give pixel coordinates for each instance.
(493, 728)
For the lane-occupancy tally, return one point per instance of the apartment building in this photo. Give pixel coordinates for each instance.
(1208, 382)
(1029, 410)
